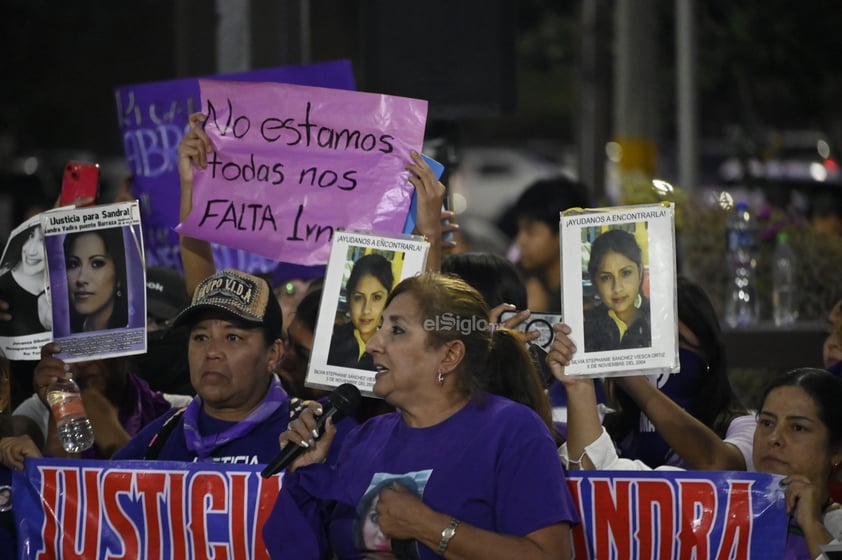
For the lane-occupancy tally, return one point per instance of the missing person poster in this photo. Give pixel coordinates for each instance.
(619, 289)
(96, 280)
(361, 272)
(23, 285)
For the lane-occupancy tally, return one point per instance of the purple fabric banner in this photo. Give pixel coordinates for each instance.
(292, 164)
(678, 514)
(100, 510)
(161, 509)
(153, 119)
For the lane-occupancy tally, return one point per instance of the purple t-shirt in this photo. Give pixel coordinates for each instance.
(492, 465)
(141, 405)
(259, 446)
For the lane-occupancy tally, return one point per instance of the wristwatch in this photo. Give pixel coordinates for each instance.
(447, 534)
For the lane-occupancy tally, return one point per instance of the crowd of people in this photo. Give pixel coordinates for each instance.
(434, 466)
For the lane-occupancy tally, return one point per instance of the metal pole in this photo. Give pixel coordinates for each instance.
(233, 36)
(593, 118)
(685, 49)
(635, 87)
(305, 30)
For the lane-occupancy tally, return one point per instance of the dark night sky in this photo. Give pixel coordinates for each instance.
(62, 60)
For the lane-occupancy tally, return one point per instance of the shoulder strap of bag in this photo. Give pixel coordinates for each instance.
(157, 442)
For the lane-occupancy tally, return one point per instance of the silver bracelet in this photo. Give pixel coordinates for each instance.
(447, 534)
(577, 461)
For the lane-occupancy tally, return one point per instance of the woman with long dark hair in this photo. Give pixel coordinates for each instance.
(798, 435)
(368, 286)
(620, 318)
(97, 288)
(691, 419)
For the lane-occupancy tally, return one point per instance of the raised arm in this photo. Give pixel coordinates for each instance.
(429, 216)
(699, 446)
(196, 254)
(584, 425)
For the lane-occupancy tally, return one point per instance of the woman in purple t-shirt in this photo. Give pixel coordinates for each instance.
(798, 436)
(472, 491)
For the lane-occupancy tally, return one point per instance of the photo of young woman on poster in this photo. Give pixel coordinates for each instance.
(617, 315)
(368, 535)
(369, 284)
(95, 263)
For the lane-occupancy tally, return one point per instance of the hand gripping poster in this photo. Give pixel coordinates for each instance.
(96, 280)
(362, 270)
(619, 289)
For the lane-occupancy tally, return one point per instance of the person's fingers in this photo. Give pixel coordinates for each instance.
(562, 328)
(330, 427)
(304, 429)
(423, 178)
(195, 145)
(15, 449)
(427, 189)
(25, 451)
(448, 228)
(197, 120)
(529, 336)
(561, 349)
(565, 348)
(48, 370)
(494, 314)
(195, 149)
(516, 319)
(396, 487)
(49, 349)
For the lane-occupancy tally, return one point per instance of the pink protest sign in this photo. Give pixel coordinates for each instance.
(292, 164)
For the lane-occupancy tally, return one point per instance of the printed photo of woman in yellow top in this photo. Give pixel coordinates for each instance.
(369, 284)
(619, 317)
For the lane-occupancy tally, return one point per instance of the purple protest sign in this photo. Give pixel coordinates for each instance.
(292, 164)
(153, 119)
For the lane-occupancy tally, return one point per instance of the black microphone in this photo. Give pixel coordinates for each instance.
(343, 401)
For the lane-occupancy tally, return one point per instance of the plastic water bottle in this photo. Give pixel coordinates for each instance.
(741, 305)
(784, 302)
(74, 427)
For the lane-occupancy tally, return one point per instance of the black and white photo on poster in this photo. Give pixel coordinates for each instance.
(23, 287)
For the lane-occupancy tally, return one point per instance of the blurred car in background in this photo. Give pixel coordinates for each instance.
(490, 178)
(794, 156)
